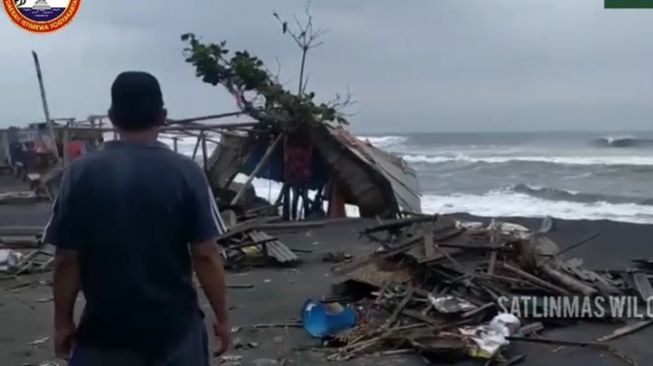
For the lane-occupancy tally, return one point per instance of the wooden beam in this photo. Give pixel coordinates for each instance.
(204, 118)
(46, 109)
(205, 155)
(261, 164)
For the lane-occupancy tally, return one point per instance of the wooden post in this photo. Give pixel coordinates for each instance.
(205, 155)
(197, 145)
(46, 110)
(261, 164)
(174, 143)
(66, 138)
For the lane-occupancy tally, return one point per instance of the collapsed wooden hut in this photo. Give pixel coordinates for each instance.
(325, 161)
(319, 165)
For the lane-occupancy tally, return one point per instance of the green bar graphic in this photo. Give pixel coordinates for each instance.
(629, 4)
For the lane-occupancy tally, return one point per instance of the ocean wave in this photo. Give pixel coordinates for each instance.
(569, 160)
(509, 204)
(384, 141)
(556, 194)
(622, 141)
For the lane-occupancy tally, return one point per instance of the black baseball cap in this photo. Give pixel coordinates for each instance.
(136, 100)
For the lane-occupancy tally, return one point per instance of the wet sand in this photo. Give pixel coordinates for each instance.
(279, 294)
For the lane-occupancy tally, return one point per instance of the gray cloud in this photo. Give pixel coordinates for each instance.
(415, 65)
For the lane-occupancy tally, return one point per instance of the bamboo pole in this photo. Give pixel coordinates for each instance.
(261, 164)
(205, 157)
(66, 140)
(204, 118)
(197, 144)
(46, 110)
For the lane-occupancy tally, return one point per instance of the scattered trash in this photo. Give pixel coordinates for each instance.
(336, 257)
(487, 340)
(450, 304)
(9, 260)
(39, 341)
(265, 362)
(234, 360)
(267, 280)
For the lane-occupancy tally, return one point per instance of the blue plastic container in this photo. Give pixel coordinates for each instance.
(321, 320)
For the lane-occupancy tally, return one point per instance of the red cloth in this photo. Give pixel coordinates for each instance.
(75, 149)
(297, 159)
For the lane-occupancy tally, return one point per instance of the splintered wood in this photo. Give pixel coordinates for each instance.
(433, 275)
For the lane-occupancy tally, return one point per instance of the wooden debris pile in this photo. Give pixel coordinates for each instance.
(435, 282)
(246, 245)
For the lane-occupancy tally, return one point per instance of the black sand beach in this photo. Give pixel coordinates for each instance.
(25, 313)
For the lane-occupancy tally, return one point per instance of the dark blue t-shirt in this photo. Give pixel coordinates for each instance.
(131, 211)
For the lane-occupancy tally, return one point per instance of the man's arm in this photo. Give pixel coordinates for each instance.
(204, 226)
(62, 233)
(210, 273)
(65, 288)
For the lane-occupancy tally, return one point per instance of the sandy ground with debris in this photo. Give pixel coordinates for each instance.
(278, 294)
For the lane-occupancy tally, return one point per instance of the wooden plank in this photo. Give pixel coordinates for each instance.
(568, 282)
(429, 247)
(536, 280)
(276, 249)
(629, 329)
(263, 162)
(399, 308)
(643, 286)
(399, 223)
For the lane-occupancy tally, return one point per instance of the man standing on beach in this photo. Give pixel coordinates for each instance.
(128, 222)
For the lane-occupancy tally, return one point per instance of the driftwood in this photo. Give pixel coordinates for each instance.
(643, 286)
(531, 278)
(399, 308)
(429, 245)
(623, 331)
(569, 282)
(558, 342)
(397, 224)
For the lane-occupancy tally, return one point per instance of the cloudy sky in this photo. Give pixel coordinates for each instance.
(417, 65)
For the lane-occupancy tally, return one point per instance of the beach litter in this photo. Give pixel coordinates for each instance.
(444, 289)
(39, 341)
(9, 260)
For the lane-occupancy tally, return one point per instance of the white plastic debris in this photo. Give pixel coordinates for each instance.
(9, 259)
(507, 323)
(450, 304)
(40, 341)
(488, 339)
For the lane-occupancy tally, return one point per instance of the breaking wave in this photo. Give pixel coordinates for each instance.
(569, 160)
(622, 141)
(510, 204)
(384, 141)
(555, 194)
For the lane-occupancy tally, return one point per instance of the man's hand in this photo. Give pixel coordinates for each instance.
(65, 288)
(223, 334)
(64, 337)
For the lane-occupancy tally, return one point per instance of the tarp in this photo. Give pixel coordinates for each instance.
(274, 169)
